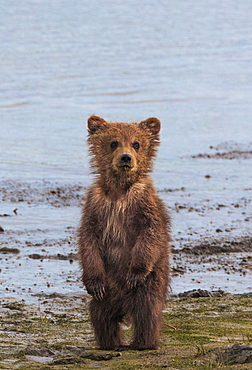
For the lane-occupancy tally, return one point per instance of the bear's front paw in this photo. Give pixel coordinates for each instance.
(135, 277)
(96, 289)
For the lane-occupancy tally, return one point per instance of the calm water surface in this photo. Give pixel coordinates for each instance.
(188, 63)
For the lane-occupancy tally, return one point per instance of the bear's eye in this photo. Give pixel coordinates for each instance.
(114, 144)
(136, 145)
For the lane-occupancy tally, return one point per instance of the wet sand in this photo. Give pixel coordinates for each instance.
(38, 240)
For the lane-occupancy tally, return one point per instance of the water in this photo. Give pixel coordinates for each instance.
(188, 63)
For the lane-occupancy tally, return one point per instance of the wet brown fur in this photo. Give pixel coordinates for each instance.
(124, 235)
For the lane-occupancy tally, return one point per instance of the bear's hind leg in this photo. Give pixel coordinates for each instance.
(147, 320)
(106, 323)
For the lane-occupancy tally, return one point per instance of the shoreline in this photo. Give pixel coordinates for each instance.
(38, 240)
(44, 319)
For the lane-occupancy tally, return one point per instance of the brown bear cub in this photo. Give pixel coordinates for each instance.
(124, 234)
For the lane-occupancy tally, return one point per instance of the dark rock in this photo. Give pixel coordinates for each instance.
(42, 352)
(236, 354)
(95, 356)
(197, 293)
(67, 360)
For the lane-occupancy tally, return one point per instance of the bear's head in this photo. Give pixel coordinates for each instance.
(123, 150)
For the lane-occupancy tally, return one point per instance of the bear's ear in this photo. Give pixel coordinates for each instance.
(152, 124)
(95, 123)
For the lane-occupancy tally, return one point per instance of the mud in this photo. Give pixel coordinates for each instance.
(212, 241)
(220, 246)
(228, 151)
(233, 154)
(38, 193)
(6, 250)
(227, 261)
(60, 257)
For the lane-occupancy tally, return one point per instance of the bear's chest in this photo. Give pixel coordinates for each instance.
(117, 235)
(117, 224)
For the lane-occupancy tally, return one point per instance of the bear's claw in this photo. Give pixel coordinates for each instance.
(133, 279)
(98, 291)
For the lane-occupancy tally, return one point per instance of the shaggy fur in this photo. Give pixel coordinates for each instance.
(124, 234)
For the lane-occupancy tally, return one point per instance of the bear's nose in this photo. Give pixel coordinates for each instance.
(125, 158)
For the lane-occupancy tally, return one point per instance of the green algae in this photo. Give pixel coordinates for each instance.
(57, 335)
